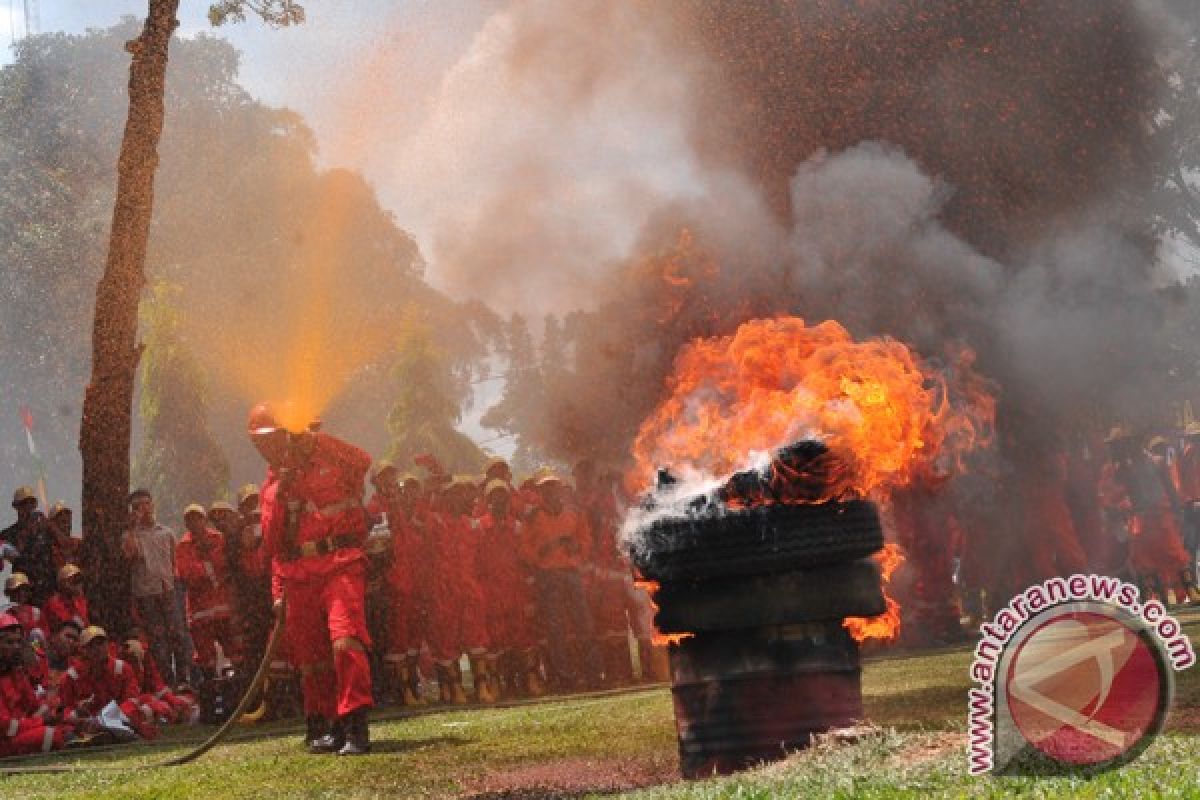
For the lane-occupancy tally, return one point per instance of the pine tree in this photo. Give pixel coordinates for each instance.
(179, 460)
(428, 407)
(518, 412)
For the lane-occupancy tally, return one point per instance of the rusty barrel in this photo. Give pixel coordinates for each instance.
(747, 696)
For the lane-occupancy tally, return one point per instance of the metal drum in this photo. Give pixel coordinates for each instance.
(747, 696)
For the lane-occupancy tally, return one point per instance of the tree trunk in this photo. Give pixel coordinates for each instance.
(106, 428)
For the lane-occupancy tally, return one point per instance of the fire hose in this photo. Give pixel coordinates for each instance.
(260, 677)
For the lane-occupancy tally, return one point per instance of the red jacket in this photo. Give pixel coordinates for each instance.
(20, 709)
(204, 574)
(408, 549)
(115, 681)
(60, 608)
(30, 617)
(329, 487)
(452, 549)
(498, 560)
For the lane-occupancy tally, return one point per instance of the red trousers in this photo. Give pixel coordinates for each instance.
(38, 739)
(457, 623)
(509, 616)
(1157, 550)
(608, 598)
(405, 633)
(327, 637)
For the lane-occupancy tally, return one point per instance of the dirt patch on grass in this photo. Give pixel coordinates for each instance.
(1184, 720)
(930, 747)
(574, 777)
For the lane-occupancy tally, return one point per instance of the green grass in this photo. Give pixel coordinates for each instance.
(918, 702)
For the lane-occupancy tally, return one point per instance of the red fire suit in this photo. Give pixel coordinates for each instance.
(325, 581)
(1133, 492)
(155, 694)
(205, 575)
(31, 619)
(610, 578)
(23, 728)
(407, 589)
(456, 602)
(61, 607)
(928, 532)
(506, 584)
(1052, 545)
(85, 690)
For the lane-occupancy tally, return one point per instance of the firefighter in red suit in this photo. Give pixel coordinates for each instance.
(27, 724)
(610, 577)
(19, 590)
(96, 678)
(314, 527)
(508, 594)
(68, 603)
(165, 704)
(457, 616)
(1188, 470)
(398, 498)
(200, 563)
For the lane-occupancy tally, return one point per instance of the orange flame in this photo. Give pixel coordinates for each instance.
(886, 626)
(889, 415)
(659, 639)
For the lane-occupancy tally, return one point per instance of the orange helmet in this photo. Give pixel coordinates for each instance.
(262, 420)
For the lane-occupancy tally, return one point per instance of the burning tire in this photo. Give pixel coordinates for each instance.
(826, 594)
(759, 541)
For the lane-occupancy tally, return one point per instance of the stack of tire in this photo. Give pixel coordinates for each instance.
(763, 590)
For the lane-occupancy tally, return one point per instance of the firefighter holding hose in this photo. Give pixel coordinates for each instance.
(314, 527)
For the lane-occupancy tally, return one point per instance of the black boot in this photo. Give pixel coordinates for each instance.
(330, 742)
(358, 737)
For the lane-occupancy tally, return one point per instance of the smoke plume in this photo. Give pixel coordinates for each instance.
(968, 172)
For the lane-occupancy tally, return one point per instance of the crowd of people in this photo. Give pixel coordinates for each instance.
(523, 584)
(1123, 503)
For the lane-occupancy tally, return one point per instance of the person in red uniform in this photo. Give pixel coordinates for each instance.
(456, 620)
(154, 692)
(1133, 492)
(1188, 471)
(20, 592)
(398, 499)
(27, 724)
(97, 678)
(556, 544)
(1052, 544)
(314, 528)
(508, 594)
(200, 563)
(609, 576)
(68, 603)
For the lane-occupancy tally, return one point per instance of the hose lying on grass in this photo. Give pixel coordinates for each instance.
(256, 684)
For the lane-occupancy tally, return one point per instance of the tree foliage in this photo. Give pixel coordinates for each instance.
(518, 411)
(428, 404)
(276, 13)
(179, 460)
(236, 196)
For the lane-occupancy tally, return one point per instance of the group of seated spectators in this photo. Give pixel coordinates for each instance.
(524, 584)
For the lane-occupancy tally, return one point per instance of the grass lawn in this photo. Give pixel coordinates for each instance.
(624, 744)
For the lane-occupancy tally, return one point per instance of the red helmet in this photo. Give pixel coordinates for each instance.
(262, 420)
